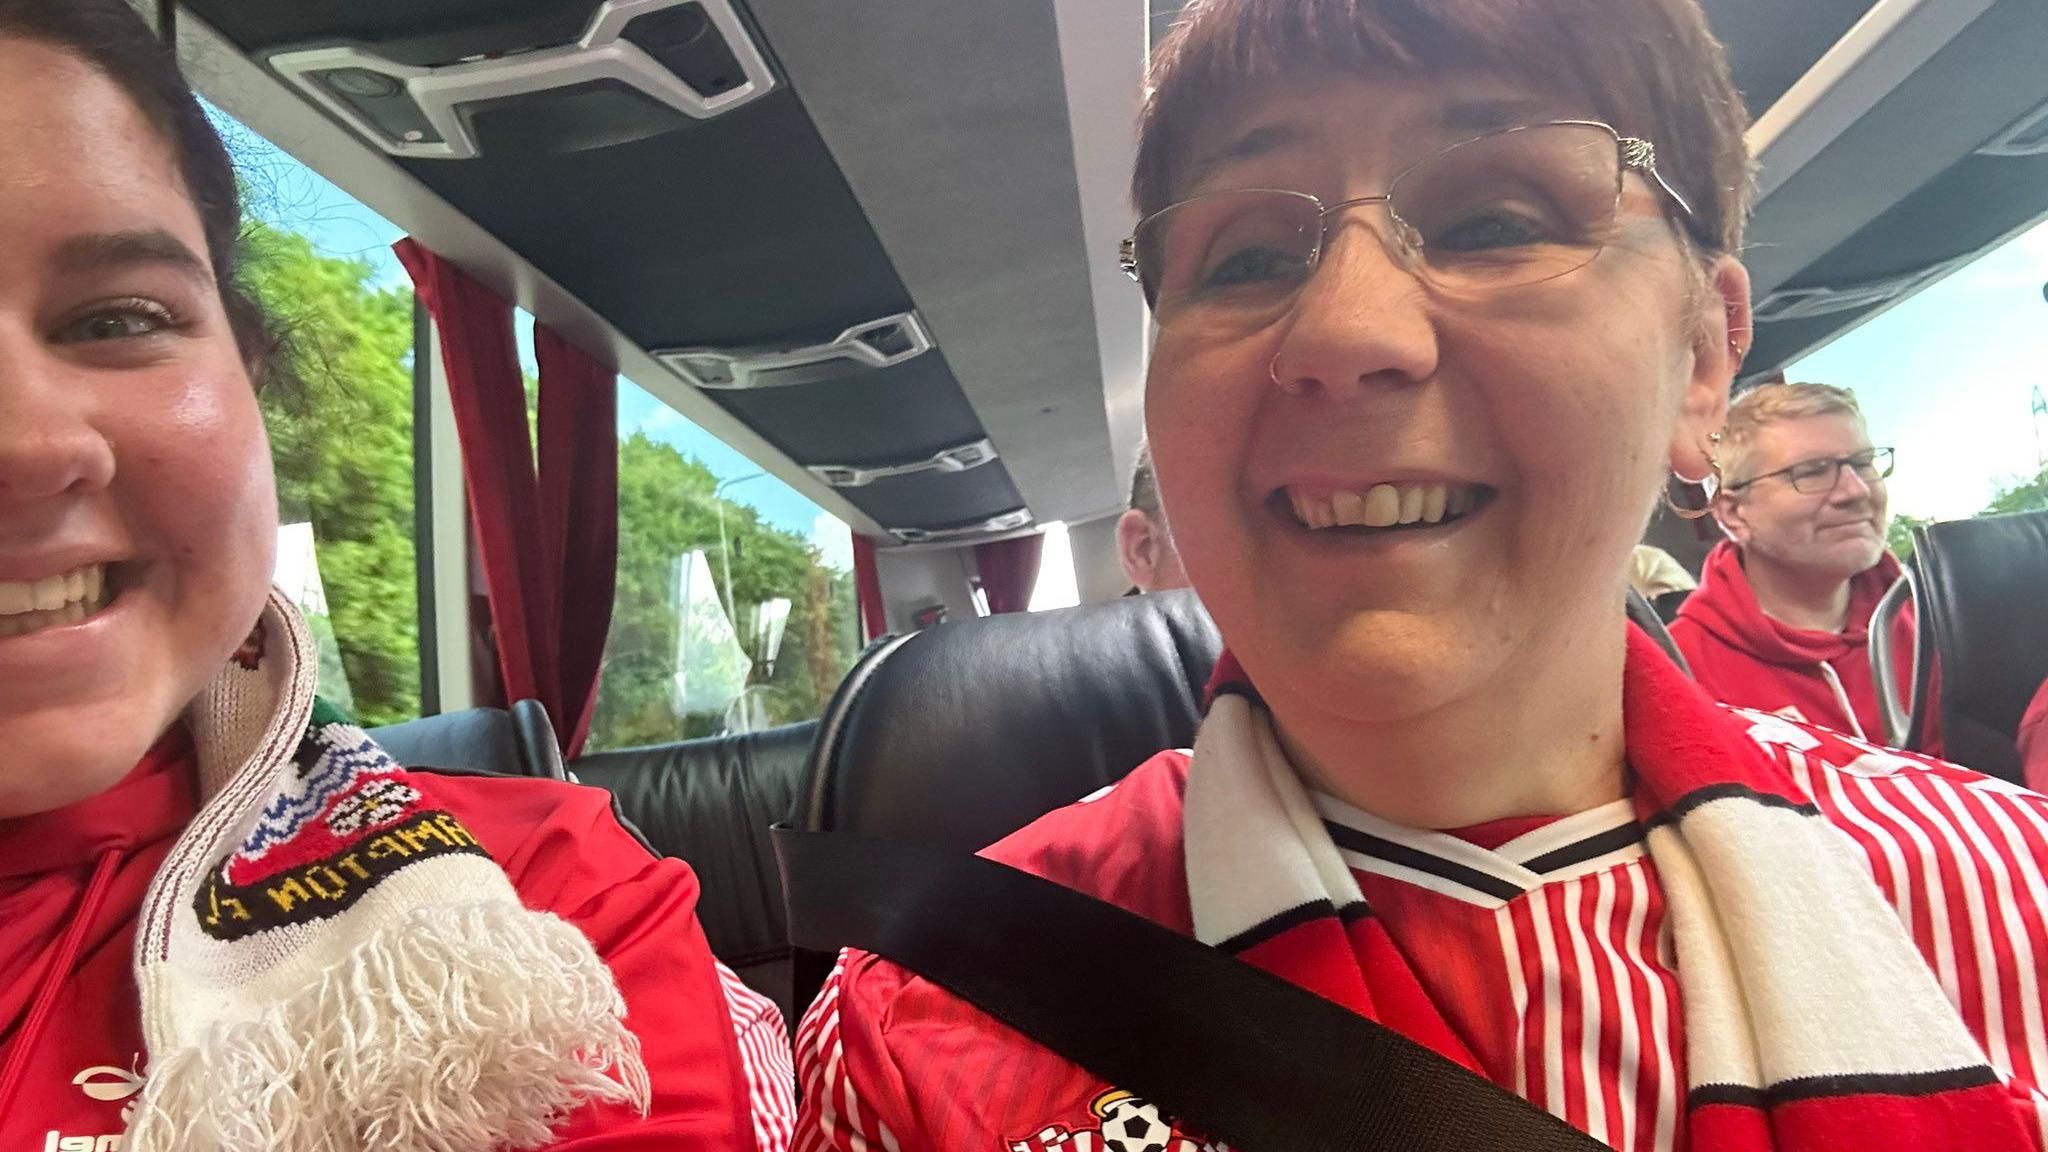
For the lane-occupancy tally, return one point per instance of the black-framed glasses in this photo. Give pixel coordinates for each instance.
(1513, 207)
(1813, 477)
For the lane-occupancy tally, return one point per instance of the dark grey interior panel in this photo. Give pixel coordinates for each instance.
(884, 416)
(734, 231)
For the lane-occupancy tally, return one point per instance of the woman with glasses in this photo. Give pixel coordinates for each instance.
(1445, 292)
(1780, 619)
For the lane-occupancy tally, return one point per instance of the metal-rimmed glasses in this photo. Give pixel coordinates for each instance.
(1814, 477)
(1508, 208)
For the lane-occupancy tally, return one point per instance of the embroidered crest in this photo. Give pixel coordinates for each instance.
(344, 819)
(1118, 1122)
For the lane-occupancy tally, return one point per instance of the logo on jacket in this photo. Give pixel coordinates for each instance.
(106, 1083)
(1122, 1123)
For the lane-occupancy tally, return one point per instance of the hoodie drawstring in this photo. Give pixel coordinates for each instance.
(53, 979)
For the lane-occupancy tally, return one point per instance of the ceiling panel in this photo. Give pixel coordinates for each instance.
(729, 232)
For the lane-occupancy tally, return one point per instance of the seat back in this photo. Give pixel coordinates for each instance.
(964, 733)
(710, 803)
(518, 742)
(1979, 596)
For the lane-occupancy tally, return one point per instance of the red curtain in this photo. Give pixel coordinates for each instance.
(867, 583)
(1009, 570)
(547, 537)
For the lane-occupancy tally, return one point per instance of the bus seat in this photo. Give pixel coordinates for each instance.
(518, 742)
(964, 733)
(710, 802)
(1977, 593)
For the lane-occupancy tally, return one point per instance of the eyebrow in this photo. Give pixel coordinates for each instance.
(1462, 119)
(111, 251)
(1488, 115)
(1260, 141)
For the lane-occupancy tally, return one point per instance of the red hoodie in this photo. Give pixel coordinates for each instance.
(72, 883)
(2033, 742)
(1745, 658)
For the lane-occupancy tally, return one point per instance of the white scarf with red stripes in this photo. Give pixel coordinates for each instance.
(1812, 1020)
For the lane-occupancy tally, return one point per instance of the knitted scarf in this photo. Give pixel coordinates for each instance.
(326, 963)
(1812, 1022)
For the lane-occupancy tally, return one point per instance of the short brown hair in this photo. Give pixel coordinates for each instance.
(1771, 404)
(1650, 67)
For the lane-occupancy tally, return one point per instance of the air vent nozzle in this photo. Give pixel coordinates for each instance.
(1826, 300)
(682, 59)
(880, 343)
(960, 459)
(1003, 522)
(2028, 137)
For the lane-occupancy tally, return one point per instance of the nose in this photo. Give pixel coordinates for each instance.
(48, 443)
(1363, 319)
(1850, 487)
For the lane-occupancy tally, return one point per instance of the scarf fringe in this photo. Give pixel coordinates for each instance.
(460, 1029)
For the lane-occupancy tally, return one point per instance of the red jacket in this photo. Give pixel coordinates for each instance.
(559, 844)
(1745, 658)
(2033, 742)
(889, 1060)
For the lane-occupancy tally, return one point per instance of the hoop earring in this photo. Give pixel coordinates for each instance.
(1273, 371)
(1699, 498)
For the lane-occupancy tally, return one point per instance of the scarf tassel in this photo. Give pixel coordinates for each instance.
(463, 1029)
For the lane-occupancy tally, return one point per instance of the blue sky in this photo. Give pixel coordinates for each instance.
(1947, 377)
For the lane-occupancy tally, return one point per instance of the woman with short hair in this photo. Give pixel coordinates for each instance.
(1446, 292)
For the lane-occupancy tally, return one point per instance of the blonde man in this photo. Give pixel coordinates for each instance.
(1780, 618)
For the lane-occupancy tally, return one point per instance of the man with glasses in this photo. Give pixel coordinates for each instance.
(1781, 616)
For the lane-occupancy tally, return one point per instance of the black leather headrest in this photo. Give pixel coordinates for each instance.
(516, 743)
(473, 740)
(1981, 596)
(711, 802)
(966, 732)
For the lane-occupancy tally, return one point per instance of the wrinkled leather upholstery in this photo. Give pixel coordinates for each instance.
(710, 802)
(1982, 593)
(518, 743)
(968, 731)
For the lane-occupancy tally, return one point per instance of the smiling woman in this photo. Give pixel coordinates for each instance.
(303, 968)
(1445, 291)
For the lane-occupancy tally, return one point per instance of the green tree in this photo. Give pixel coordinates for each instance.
(2029, 495)
(668, 509)
(1899, 536)
(341, 442)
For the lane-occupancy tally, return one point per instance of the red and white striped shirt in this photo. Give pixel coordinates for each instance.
(765, 1058)
(1549, 953)
(1546, 951)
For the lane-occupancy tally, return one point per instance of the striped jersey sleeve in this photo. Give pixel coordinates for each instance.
(765, 1059)
(1963, 859)
(835, 1115)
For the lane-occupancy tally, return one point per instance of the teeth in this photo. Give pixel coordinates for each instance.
(1411, 504)
(30, 605)
(1384, 506)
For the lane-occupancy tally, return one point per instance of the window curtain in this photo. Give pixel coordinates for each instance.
(867, 583)
(1009, 571)
(546, 532)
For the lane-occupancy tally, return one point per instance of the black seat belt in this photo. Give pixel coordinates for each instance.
(1232, 1051)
